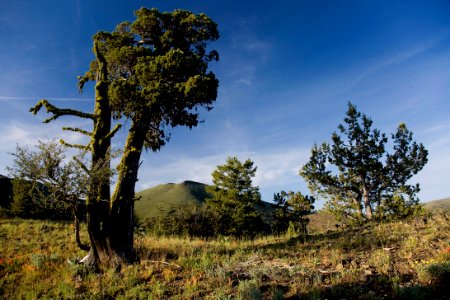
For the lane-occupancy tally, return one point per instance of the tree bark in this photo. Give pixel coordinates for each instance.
(99, 190)
(76, 224)
(122, 202)
(366, 199)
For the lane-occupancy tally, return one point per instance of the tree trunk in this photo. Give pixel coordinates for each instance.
(122, 202)
(357, 203)
(76, 225)
(366, 199)
(98, 198)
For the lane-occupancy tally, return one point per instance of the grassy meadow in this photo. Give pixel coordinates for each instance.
(400, 260)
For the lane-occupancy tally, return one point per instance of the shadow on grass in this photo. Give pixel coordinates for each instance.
(383, 287)
(356, 239)
(371, 287)
(377, 291)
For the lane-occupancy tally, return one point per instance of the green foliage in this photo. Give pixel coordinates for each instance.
(399, 207)
(27, 200)
(235, 199)
(249, 290)
(291, 210)
(436, 273)
(189, 220)
(161, 208)
(45, 180)
(158, 70)
(153, 73)
(31, 200)
(359, 177)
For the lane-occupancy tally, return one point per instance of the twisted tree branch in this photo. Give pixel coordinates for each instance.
(57, 112)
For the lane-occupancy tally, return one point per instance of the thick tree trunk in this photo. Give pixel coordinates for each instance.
(122, 202)
(99, 190)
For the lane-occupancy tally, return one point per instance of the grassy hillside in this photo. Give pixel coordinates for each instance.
(400, 260)
(162, 199)
(442, 205)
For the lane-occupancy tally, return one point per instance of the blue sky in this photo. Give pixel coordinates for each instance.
(287, 70)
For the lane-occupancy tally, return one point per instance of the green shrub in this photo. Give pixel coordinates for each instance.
(434, 273)
(190, 220)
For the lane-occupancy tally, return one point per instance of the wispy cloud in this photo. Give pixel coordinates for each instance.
(7, 98)
(354, 75)
(247, 51)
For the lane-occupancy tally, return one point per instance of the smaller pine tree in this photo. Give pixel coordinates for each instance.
(290, 212)
(235, 199)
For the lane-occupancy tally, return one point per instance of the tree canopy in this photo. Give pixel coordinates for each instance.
(358, 175)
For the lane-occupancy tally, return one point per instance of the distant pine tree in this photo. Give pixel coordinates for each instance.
(235, 199)
(291, 210)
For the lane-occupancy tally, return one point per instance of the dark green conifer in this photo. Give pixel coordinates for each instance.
(291, 208)
(356, 173)
(235, 199)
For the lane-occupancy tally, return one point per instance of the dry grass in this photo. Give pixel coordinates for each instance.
(403, 260)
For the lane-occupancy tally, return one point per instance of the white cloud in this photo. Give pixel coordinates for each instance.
(434, 177)
(275, 171)
(28, 134)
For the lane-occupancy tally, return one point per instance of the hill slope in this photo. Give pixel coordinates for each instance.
(162, 199)
(441, 205)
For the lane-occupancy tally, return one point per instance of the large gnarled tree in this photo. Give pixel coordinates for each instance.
(154, 73)
(358, 176)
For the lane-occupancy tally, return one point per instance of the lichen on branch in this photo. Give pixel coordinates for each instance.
(57, 112)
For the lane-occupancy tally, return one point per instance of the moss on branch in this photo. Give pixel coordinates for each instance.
(78, 130)
(57, 112)
(77, 146)
(113, 131)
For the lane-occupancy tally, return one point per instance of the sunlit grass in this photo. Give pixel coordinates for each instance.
(398, 259)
